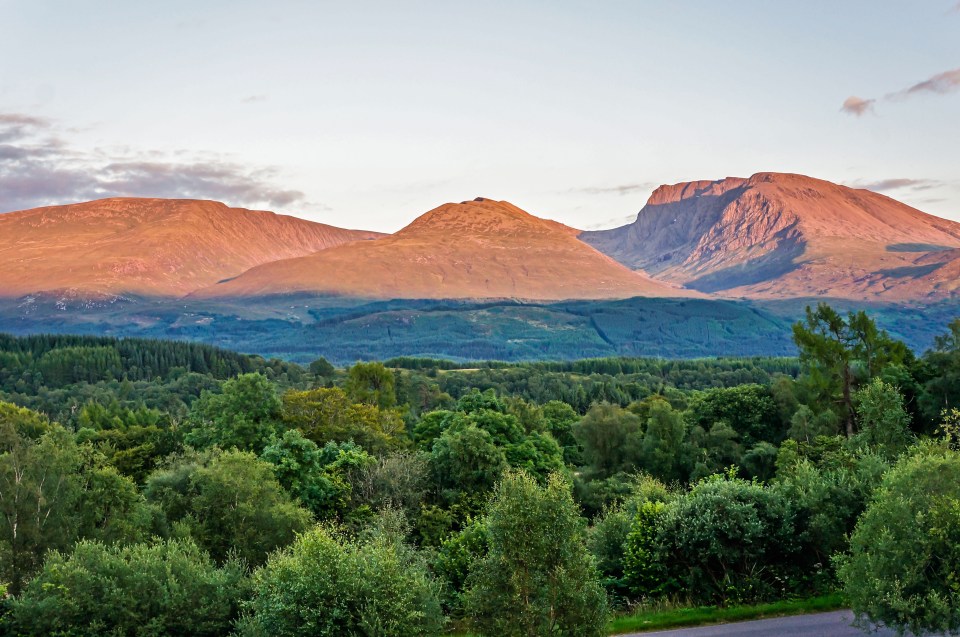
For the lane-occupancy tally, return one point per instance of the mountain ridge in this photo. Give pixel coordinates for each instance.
(782, 235)
(163, 247)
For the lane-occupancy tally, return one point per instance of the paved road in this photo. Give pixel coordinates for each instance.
(835, 624)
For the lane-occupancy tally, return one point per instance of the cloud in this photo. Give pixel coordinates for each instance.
(616, 222)
(939, 84)
(897, 183)
(252, 99)
(38, 168)
(857, 105)
(624, 189)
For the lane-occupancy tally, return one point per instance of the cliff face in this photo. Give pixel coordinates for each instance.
(781, 235)
(158, 247)
(476, 249)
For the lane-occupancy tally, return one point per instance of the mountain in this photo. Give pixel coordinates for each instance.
(471, 250)
(778, 235)
(156, 247)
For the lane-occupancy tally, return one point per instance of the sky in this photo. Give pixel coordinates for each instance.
(365, 114)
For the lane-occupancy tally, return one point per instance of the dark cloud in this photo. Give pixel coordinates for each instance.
(857, 105)
(624, 189)
(221, 181)
(37, 168)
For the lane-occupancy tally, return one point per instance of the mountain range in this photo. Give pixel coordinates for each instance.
(769, 236)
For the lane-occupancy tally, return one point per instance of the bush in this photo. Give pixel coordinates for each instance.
(607, 538)
(903, 569)
(230, 504)
(537, 577)
(141, 590)
(642, 568)
(728, 540)
(456, 559)
(327, 585)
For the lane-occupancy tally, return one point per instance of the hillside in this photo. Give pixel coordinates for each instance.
(475, 249)
(782, 235)
(159, 247)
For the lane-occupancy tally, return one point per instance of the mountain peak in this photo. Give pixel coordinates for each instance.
(778, 235)
(475, 249)
(481, 217)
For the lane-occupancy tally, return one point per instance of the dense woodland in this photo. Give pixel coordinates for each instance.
(163, 488)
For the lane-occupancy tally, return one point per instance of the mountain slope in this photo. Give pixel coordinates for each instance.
(159, 247)
(475, 249)
(780, 235)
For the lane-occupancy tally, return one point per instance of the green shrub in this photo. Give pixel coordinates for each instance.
(903, 569)
(141, 590)
(537, 577)
(327, 585)
(728, 540)
(642, 566)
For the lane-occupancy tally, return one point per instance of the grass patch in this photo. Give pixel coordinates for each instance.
(662, 619)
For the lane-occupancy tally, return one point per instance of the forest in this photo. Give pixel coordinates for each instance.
(156, 487)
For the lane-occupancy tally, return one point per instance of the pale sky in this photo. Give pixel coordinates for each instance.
(367, 114)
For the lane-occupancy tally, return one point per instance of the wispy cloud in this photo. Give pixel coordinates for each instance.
(857, 105)
(939, 84)
(253, 99)
(624, 189)
(616, 222)
(904, 186)
(37, 168)
(897, 183)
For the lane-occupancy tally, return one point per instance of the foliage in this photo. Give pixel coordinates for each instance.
(902, 569)
(748, 409)
(456, 559)
(883, 420)
(371, 384)
(230, 502)
(537, 577)
(727, 540)
(325, 584)
(466, 464)
(828, 497)
(642, 568)
(840, 354)
(245, 415)
(243, 454)
(328, 414)
(142, 590)
(53, 492)
(610, 436)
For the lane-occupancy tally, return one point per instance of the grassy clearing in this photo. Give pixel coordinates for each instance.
(662, 619)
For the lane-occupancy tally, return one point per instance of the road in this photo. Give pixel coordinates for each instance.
(835, 624)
